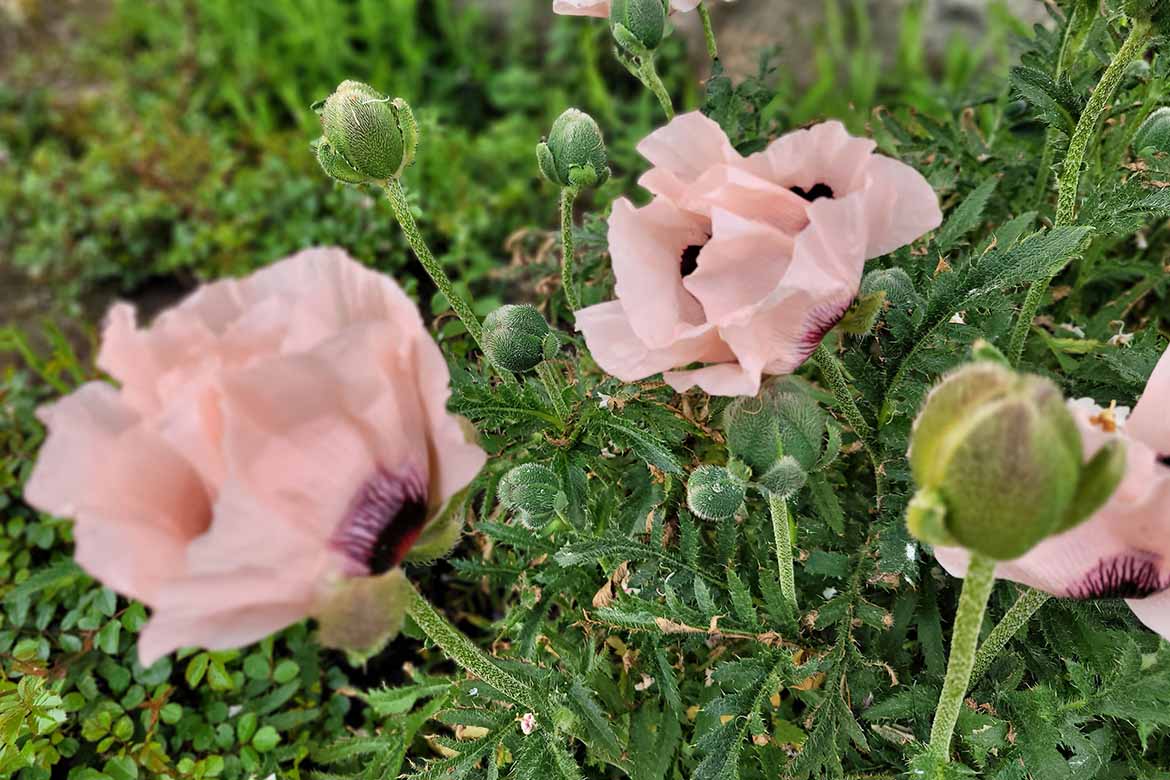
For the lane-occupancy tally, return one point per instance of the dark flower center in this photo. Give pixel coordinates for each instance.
(1132, 576)
(384, 520)
(818, 190)
(1164, 460)
(690, 259)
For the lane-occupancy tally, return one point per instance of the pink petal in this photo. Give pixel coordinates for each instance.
(684, 5)
(136, 502)
(598, 8)
(682, 151)
(741, 265)
(618, 350)
(647, 245)
(900, 205)
(739, 191)
(821, 154)
(726, 379)
(1150, 419)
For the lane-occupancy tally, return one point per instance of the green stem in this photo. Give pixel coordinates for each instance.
(782, 529)
(551, 378)
(401, 208)
(1020, 613)
(463, 651)
(1068, 182)
(834, 375)
(568, 195)
(651, 79)
(708, 31)
(964, 640)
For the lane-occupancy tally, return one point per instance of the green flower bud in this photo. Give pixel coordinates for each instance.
(530, 490)
(1154, 133)
(714, 493)
(998, 462)
(574, 154)
(638, 23)
(753, 433)
(367, 137)
(514, 337)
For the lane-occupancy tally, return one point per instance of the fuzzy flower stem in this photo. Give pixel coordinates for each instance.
(964, 640)
(641, 65)
(401, 208)
(782, 529)
(463, 651)
(708, 31)
(568, 196)
(1020, 613)
(834, 375)
(1068, 182)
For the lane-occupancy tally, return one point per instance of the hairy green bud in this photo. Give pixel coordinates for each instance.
(530, 490)
(753, 433)
(714, 493)
(638, 23)
(515, 337)
(998, 461)
(366, 136)
(1154, 133)
(574, 154)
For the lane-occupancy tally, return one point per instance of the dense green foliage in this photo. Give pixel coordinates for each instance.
(661, 644)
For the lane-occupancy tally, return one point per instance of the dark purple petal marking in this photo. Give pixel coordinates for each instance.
(1164, 460)
(383, 520)
(820, 321)
(1130, 576)
(818, 190)
(690, 260)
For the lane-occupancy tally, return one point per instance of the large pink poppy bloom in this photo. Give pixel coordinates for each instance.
(744, 263)
(600, 8)
(1122, 551)
(276, 443)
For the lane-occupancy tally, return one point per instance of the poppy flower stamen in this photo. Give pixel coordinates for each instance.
(384, 521)
(1130, 576)
(818, 190)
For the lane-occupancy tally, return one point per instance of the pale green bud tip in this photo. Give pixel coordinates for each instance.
(515, 337)
(926, 519)
(574, 154)
(714, 493)
(753, 433)
(638, 23)
(367, 136)
(998, 455)
(1154, 133)
(531, 491)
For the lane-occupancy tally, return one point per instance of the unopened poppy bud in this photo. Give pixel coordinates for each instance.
(1154, 133)
(638, 23)
(515, 337)
(574, 154)
(714, 493)
(753, 433)
(530, 490)
(367, 136)
(998, 460)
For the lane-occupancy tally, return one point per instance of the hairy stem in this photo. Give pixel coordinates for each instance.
(1020, 613)
(651, 79)
(1068, 182)
(463, 651)
(834, 375)
(568, 196)
(708, 31)
(964, 639)
(401, 208)
(782, 529)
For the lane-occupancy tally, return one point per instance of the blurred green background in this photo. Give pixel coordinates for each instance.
(147, 146)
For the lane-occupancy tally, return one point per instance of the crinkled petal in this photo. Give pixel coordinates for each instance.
(900, 204)
(647, 246)
(725, 379)
(741, 265)
(620, 352)
(822, 154)
(1150, 419)
(599, 8)
(733, 189)
(682, 151)
(136, 502)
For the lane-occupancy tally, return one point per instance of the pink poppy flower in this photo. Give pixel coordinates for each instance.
(276, 443)
(600, 8)
(744, 263)
(1123, 551)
